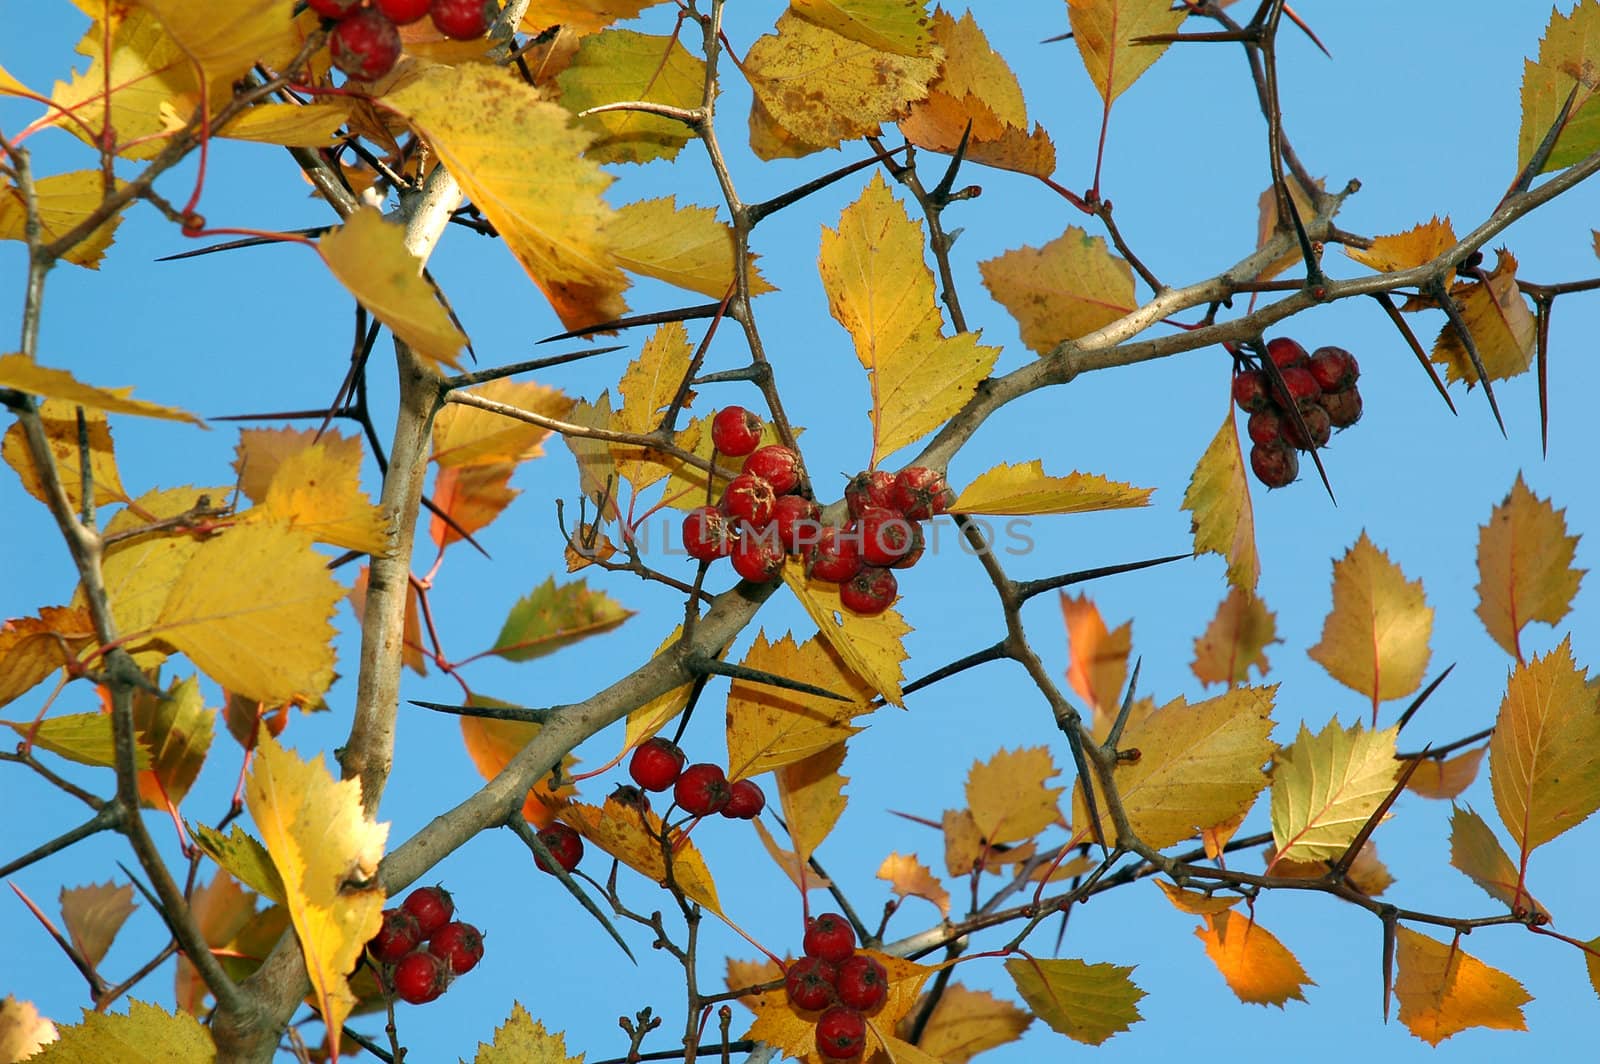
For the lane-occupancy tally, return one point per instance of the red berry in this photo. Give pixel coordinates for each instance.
(830, 937)
(1335, 368)
(836, 555)
(735, 431)
(1318, 424)
(431, 906)
(885, 536)
(920, 492)
(873, 487)
(777, 465)
(465, 20)
(333, 8)
(745, 801)
(869, 592)
(863, 982)
(656, 764)
(460, 945)
(798, 521)
(749, 499)
(403, 12)
(420, 977)
(398, 936)
(758, 556)
(913, 553)
(809, 983)
(841, 1033)
(1300, 384)
(1275, 464)
(564, 844)
(1285, 352)
(1344, 408)
(1251, 391)
(1265, 426)
(365, 45)
(701, 790)
(706, 535)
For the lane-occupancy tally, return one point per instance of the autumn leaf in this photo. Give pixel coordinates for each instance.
(597, 470)
(176, 728)
(1008, 797)
(81, 737)
(130, 1036)
(491, 744)
(818, 88)
(31, 648)
(794, 1033)
(317, 489)
(899, 26)
(1097, 658)
(60, 422)
(93, 915)
(524, 1040)
(1525, 570)
(1502, 326)
(551, 617)
(769, 727)
(966, 1022)
(369, 256)
(242, 857)
(811, 794)
(1375, 639)
(685, 246)
(633, 836)
(1236, 640)
(648, 387)
(881, 290)
(1443, 990)
(220, 909)
(617, 66)
(966, 850)
(1104, 31)
(1268, 224)
(466, 435)
(1196, 903)
(1024, 489)
(742, 974)
(1258, 968)
(1476, 853)
(1568, 55)
(1544, 756)
(22, 1030)
(293, 125)
(1086, 1002)
(1062, 291)
(25, 375)
(139, 570)
(1218, 496)
(1448, 777)
(64, 201)
(1401, 251)
(872, 647)
(790, 863)
(1326, 786)
(1198, 765)
(326, 849)
(910, 878)
(519, 159)
(582, 17)
(647, 719)
(225, 44)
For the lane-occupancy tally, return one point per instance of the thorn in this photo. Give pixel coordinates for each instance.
(941, 192)
(1298, 21)
(517, 713)
(1542, 309)
(709, 666)
(1416, 703)
(757, 211)
(1393, 311)
(1390, 917)
(1457, 322)
(1541, 154)
(704, 310)
(1117, 725)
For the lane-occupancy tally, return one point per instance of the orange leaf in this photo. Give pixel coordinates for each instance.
(1062, 291)
(1258, 968)
(965, 848)
(31, 648)
(1447, 778)
(473, 496)
(754, 973)
(799, 872)
(1401, 251)
(1502, 327)
(1268, 223)
(909, 877)
(1236, 640)
(965, 1023)
(1097, 659)
(1375, 639)
(1476, 853)
(1194, 902)
(1444, 991)
(1525, 570)
(491, 744)
(632, 836)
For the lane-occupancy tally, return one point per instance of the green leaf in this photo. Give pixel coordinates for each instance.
(554, 616)
(617, 66)
(245, 858)
(1086, 1002)
(81, 737)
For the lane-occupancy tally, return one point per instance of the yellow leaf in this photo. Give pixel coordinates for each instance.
(220, 909)
(1447, 778)
(1198, 765)
(243, 858)
(646, 720)
(819, 89)
(1008, 796)
(1366, 873)
(1443, 990)
(139, 570)
(684, 246)
(60, 421)
(318, 490)
(1525, 570)
(1375, 639)
(1097, 659)
(581, 16)
(803, 877)
(368, 255)
(176, 727)
(1194, 902)
(811, 793)
(93, 915)
(1257, 967)
(470, 436)
(1325, 787)
(1024, 489)
(1086, 1002)
(769, 727)
(551, 617)
(1064, 290)
(292, 125)
(597, 470)
(633, 836)
(130, 1036)
(518, 159)
(1569, 54)
(491, 744)
(899, 26)
(65, 200)
(966, 850)
(881, 290)
(1476, 853)
(25, 375)
(910, 878)
(260, 452)
(1268, 224)
(648, 387)
(617, 66)
(1401, 251)
(1219, 498)
(524, 1040)
(31, 648)
(1500, 322)
(872, 647)
(794, 1033)
(326, 849)
(251, 608)
(742, 974)
(81, 737)
(1104, 31)
(23, 1031)
(225, 43)
(1236, 640)
(1544, 756)
(966, 1022)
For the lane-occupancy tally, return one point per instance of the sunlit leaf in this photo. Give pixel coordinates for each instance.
(1443, 990)
(1446, 778)
(31, 648)
(93, 916)
(1258, 968)
(966, 850)
(794, 1033)
(524, 1040)
(1502, 326)
(1525, 570)
(1086, 1002)
(318, 490)
(261, 452)
(1218, 497)
(899, 26)
(910, 878)
(1008, 797)
(176, 728)
(811, 794)
(81, 737)
(243, 857)
(597, 470)
(22, 1030)
(491, 744)
(1194, 902)
(60, 423)
(1104, 31)
(65, 201)
(1401, 251)
(1375, 639)
(1366, 873)
(1569, 53)
(1023, 488)
(553, 616)
(1476, 853)
(129, 1037)
(471, 436)
(1097, 658)
(22, 373)
(1236, 640)
(581, 16)
(648, 387)
(1268, 224)
(632, 836)
(742, 974)
(966, 1022)
(617, 66)
(225, 43)
(1062, 291)
(292, 125)
(790, 863)
(1326, 786)
(872, 647)
(769, 727)
(685, 246)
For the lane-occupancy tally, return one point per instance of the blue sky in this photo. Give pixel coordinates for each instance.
(1421, 104)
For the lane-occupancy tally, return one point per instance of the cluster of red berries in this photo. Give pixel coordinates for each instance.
(700, 789)
(760, 521)
(420, 949)
(838, 983)
(365, 40)
(1321, 386)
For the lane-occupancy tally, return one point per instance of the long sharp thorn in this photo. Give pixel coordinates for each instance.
(1029, 588)
(548, 863)
(467, 380)
(1279, 388)
(247, 242)
(948, 181)
(1390, 918)
(1058, 37)
(704, 310)
(1541, 154)
(1416, 348)
(1298, 21)
(518, 713)
(285, 415)
(1416, 703)
(944, 672)
(1457, 322)
(1213, 36)
(758, 211)
(712, 666)
(1542, 355)
(1072, 730)
(1115, 734)
(1342, 865)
